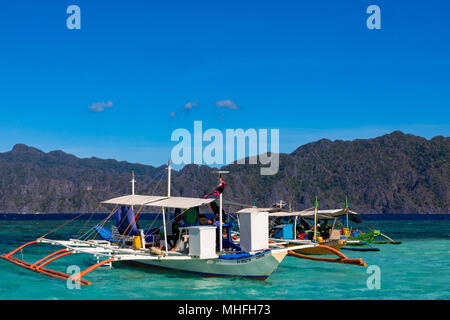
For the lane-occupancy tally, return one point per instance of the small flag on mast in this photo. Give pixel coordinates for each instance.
(346, 210)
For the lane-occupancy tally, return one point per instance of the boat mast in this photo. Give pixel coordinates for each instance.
(133, 181)
(220, 212)
(169, 168)
(168, 178)
(295, 221)
(315, 221)
(346, 210)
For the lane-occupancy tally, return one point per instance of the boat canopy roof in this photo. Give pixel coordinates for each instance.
(334, 212)
(303, 214)
(321, 214)
(132, 200)
(159, 201)
(255, 209)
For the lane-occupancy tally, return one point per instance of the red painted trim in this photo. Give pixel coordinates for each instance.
(54, 258)
(19, 248)
(46, 257)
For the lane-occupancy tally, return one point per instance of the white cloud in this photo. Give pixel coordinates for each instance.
(229, 104)
(185, 109)
(100, 106)
(190, 105)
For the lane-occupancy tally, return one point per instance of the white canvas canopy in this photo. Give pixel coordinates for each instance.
(304, 214)
(133, 200)
(255, 209)
(322, 214)
(179, 202)
(159, 201)
(334, 212)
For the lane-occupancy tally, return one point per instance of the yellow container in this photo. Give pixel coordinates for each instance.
(137, 242)
(320, 239)
(345, 231)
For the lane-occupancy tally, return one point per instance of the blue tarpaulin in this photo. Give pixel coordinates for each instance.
(104, 233)
(125, 222)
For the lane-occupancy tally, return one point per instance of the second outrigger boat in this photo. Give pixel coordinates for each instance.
(283, 237)
(293, 228)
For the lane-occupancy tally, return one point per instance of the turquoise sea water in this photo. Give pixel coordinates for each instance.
(419, 268)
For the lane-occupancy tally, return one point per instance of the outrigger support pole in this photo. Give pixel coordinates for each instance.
(91, 268)
(54, 258)
(38, 265)
(341, 257)
(34, 265)
(19, 248)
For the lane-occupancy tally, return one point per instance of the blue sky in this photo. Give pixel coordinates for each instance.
(311, 69)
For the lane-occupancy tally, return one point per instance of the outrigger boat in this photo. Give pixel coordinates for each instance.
(292, 227)
(357, 238)
(200, 249)
(302, 248)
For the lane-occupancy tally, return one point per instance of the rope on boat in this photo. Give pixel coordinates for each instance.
(62, 225)
(147, 232)
(19, 248)
(107, 218)
(79, 235)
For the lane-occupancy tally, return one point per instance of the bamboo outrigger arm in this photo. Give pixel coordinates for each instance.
(38, 266)
(34, 265)
(341, 257)
(77, 277)
(390, 240)
(18, 248)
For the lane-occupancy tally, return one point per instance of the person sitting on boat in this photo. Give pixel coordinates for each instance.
(177, 213)
(300, 232)
(190, 216)
(324, 229)
(215, 209)
(202, 219)
(304, 224)
(175, 231)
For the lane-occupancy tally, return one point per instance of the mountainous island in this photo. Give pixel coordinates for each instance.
(394, 173)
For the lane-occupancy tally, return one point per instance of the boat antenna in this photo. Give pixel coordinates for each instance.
(346, 210)
(169, 168)
(132, 182)
(316, 205)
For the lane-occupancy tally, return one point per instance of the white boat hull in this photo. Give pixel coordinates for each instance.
(257, 266)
